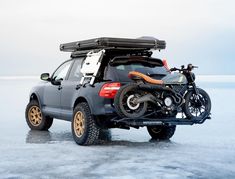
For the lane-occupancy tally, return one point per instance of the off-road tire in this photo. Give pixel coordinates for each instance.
(91, 130)
(45, 122)
(161, 132)
(119, 105)
(187, 97)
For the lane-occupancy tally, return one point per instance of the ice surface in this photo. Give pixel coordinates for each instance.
(199, 151)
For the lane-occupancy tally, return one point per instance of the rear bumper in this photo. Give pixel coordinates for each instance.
(103, 107)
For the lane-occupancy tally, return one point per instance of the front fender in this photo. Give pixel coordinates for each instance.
(36, 93)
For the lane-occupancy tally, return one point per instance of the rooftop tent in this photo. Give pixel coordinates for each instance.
(144, 43)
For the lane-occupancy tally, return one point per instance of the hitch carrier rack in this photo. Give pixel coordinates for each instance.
(141, 122)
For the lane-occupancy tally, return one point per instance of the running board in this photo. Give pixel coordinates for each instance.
(135, 122)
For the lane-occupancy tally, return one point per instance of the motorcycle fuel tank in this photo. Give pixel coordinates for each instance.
(174, 78)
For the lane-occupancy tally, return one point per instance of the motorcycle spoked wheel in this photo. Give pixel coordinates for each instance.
(197, 105)
(125, 104)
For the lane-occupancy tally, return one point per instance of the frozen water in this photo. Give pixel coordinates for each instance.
(199, 151)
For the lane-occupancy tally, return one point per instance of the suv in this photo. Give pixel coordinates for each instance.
(82, 89)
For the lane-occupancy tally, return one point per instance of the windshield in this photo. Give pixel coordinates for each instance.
(120, 72)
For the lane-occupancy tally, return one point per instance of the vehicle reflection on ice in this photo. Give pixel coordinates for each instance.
(42, 137)
(105, 138)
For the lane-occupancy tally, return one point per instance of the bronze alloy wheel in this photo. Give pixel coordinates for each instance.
(83, 125)
(79, 124)
(35, 116)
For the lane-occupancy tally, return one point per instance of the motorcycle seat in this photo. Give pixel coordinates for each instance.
(135, 74)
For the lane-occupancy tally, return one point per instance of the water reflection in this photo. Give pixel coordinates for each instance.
(41, 137)
(105, 138)
(138, 144)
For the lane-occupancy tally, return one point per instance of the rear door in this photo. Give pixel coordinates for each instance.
(70, 89)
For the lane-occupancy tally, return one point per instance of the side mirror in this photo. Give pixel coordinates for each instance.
(45, 77)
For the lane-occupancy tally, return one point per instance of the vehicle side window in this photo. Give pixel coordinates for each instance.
(75, 73)
(62, 71)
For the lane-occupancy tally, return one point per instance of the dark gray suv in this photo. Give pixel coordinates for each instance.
(83, 88)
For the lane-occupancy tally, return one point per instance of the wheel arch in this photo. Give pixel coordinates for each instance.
(35, 96)
(81, 99)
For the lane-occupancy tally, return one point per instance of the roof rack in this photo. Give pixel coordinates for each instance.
(115, 52)
(107, 43)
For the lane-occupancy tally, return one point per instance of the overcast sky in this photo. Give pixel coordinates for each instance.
(201, 32)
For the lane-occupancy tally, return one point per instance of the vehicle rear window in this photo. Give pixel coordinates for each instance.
(120, 72)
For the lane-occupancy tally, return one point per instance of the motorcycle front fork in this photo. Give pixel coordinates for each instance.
(195, 88)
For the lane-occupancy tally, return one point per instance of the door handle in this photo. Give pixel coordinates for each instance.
(78, 87)
(60, 87)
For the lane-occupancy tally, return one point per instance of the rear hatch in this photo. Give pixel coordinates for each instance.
(118, 69)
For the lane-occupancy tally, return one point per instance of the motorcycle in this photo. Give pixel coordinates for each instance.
(174, 93)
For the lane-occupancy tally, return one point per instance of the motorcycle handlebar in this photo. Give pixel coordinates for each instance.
(189, 68)
(174, 69)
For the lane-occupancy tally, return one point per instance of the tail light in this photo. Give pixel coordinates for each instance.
(165, 64)
(109, 90)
